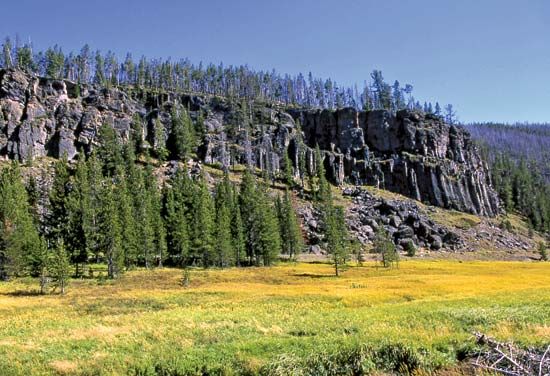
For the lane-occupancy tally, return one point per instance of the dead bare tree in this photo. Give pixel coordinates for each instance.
(508, 359)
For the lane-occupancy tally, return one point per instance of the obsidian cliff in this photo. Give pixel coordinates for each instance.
(411, 153)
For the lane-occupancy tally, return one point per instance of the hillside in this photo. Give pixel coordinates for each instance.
(409, 153)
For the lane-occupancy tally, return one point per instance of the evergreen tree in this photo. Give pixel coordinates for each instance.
(110, 150)
(383, 245)
(182, 137)
(110, 229)
(127, 220)
(266, 227)
(203, 237)
(137, 133)
(159, 145)
(59, 267)
(237, 233)
(42, 263)
(177, 231)
(247, 204)
(7, 53)
(288, 175)
(58, 217)
(223, 204)
(91, 205)
(291, 237)
(543, 252)
(143, 209)
(79, 209)
(19, 240)
(336, 236)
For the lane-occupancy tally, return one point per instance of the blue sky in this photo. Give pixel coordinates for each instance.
(490, 58)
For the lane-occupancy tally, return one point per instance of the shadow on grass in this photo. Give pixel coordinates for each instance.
(23, 293)
(313, 275)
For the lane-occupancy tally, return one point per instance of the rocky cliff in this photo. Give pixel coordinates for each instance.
(411, 153)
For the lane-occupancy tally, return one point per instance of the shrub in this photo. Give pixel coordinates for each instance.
(543, 252)
(410, 248)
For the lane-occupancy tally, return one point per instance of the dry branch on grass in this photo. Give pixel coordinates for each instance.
(507, 359)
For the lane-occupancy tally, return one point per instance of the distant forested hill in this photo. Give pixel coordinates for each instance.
(519, 155)
(530, 141)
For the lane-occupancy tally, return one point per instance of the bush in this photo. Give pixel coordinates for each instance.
(543, 252)
(384, 246)
(410, 248)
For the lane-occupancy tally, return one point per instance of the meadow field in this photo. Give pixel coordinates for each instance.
(288, 319)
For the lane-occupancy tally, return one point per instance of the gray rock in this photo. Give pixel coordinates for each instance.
(436, 242)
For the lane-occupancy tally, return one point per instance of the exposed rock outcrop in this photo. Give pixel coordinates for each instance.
(409, 152)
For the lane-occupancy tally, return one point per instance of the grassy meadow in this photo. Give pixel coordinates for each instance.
(288, 319)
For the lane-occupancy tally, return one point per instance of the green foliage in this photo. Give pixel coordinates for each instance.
(204, 232)
(291, 236)
(110, 230)
(137, 133)
(224, 206)
(543, 252)
(237, 231)
(410, 248)
(127, 220)
(383, 245)
(19, 240)
(59, 267)
(522, 188)
(182, 138)
(336, 236)
(58, 197)
(159, 145)
(55, 61)
(79, 206)
(260, 221)
(110, 150)
(288, 174)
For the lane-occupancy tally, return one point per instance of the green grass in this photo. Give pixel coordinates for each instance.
(289, 319)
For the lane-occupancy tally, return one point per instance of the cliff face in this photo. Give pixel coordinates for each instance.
(410, 153)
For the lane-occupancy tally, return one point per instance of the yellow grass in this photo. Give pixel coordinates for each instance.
(253, 316)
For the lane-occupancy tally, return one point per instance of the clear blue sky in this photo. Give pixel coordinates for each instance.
(490, 58)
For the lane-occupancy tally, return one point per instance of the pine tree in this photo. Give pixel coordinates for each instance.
(266, 227)
(177, 232)
(237, 233)
(291, 237)
(143, 210)
(79, 207)
(383, 245)
(336, 236)
(91, 204)
(203, 228)
(19, 240)
(223, 204)
(247, 204)
(110, 229)
(7, 53)
(160, 140)
(182, 137)
(137, 133)
(543, 252)
(58, 218)
(322, 188)
(288, 175)
(110, 150)
(59, 266)
(42, 264)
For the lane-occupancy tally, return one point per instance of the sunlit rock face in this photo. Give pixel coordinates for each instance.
(409, 152)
